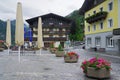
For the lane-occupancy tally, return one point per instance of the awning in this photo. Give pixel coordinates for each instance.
(116, 37)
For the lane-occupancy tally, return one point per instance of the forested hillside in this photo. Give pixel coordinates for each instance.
(77, 28)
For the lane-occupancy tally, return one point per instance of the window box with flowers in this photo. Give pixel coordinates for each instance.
(71, 57)
(96, 68)
(96, 17)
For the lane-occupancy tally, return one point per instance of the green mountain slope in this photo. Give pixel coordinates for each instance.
(3, 30)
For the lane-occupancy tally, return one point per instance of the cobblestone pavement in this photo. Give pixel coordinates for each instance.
(48, 67)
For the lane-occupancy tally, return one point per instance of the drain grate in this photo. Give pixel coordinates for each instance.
(47, 68)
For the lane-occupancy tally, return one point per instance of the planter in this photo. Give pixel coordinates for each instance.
(52, 50)
(69, 59)
(99, 74)
(1, 49)
(60, 53)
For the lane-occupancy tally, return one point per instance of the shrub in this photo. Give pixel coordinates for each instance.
(60, 48)
(51, 45)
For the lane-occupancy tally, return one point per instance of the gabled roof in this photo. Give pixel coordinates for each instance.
(89, 4)
(50, 15)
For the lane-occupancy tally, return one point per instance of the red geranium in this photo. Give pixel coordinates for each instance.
(71, 54)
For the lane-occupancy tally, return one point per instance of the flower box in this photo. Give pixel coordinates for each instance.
(53, 50)
(96, 17)
(71, 57)
(99, 74)
(60, 53)
(96, 68)
(1, 49)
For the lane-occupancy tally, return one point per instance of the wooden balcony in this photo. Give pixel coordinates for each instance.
(96, 17)
(55, 39)
(55, 32)
(52, 39)
(52, 32)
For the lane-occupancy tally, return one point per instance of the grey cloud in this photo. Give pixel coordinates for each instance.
(5, 9)
(31, 12)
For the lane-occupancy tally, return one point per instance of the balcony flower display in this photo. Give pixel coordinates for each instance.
(96, 17)
(96, 68)
(71, 57)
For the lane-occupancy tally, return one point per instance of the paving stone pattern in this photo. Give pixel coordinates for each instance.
(46, 67)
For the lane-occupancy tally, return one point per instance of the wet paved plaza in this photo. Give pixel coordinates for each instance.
(49, 67)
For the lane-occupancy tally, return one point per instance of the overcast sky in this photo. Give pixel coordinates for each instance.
(33, 8)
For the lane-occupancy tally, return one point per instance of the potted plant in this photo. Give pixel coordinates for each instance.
(1, 45)
(60, 52)
(71, 57)
(52, 48)
(96, 68)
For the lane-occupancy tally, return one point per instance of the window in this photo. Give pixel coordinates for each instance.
(64, 29)
(88, 41)
(44, 29)
(57, 29)
(61, 23)
(54, 29)
(110, 6)
(101, 9)
(101, 25)
(97, 41)
(50, 23)
(110, 22)
(47, 29)
(88, 28)
(109, 42)
(88, 15)
(94, 27)
(94, 12)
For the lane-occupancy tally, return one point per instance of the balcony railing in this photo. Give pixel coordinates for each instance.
(57, 26)
(52, 39)
(97, 17)
(55, 32)
(116, 31)
(55, 39)
(52, 32)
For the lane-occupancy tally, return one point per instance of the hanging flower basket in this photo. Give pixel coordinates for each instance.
(96, 68)
(71, 57)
